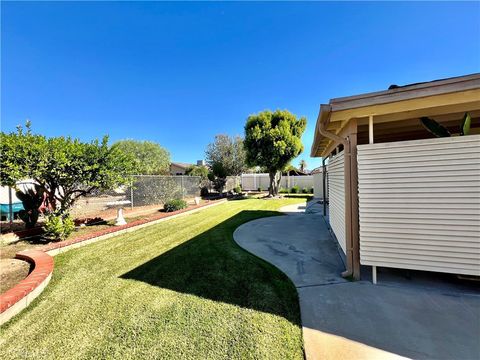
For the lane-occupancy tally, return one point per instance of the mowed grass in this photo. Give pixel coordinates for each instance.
(181, 289)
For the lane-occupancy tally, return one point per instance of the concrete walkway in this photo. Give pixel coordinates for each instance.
(358, 320)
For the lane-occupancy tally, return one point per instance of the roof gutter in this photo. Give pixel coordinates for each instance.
(324, 119)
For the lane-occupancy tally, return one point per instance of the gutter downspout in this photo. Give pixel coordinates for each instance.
(326, 109)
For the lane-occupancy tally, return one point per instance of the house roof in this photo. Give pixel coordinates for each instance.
(181, 165)
(397, 103)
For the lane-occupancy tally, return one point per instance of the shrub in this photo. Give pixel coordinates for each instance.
(31, 199)
(237, 189)
(174, 205)
(304, 190)
(295, 189)
(311, 190)
(283, 191)
(58, 227)
(259, 189)
(219, 184)
(204, 191)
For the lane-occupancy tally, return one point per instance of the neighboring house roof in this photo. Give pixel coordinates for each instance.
(181, 165)
(295, 172)
(399, 103)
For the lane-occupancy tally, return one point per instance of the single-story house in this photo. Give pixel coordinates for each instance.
(399, 196)
(178, 168)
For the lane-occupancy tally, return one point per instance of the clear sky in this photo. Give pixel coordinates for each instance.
(179, 73)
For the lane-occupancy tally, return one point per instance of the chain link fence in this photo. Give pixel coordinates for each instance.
(147, 193)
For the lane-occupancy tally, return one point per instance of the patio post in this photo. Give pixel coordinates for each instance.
(324, 192)
(370, 129)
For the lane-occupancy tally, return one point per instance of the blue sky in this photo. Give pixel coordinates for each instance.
(179, 73)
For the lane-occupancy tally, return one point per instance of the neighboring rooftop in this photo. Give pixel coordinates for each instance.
(181, 164)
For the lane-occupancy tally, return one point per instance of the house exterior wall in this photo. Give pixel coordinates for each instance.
(419, 204)
(336, 196)
(177, 170)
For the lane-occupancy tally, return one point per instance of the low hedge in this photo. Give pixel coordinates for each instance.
(174, 205)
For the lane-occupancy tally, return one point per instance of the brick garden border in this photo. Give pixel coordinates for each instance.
(14, 300)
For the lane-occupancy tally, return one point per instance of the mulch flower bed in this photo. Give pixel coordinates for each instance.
(113, 229)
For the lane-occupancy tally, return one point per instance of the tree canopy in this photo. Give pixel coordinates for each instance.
(272, 140)
(226, 156)
(302, 165)
(197, 170)
(64, 168)
(150, 158)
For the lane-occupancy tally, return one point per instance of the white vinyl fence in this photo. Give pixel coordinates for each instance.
(419, 204)
(253, 182)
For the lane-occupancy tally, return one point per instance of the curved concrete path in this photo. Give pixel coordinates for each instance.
(301, 246)
(358, 320)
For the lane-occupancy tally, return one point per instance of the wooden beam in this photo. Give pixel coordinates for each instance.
(453, 102)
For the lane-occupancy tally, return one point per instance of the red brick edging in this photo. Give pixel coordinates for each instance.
(40, 276)
(89, 236)
(21, 295)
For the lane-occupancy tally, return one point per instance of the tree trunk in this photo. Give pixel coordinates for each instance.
(271, 190)
(274, 183)
(51, 201)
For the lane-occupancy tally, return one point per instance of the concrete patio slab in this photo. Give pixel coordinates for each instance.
(359, 320)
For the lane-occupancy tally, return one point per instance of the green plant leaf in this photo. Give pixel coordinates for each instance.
(434, 127)
(466, 122)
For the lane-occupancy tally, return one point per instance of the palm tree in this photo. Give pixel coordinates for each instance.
(303, 165)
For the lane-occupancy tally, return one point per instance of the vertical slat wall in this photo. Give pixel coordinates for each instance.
(318, 185)
(336, 197)
(419, 204)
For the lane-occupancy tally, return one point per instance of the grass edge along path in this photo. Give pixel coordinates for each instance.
(179, 289)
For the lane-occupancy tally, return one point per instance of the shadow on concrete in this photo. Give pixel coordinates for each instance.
(405, 318)
(212, 266)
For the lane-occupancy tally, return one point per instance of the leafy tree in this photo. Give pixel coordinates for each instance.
(303, 165)
(150, 157)
(272, 140)
(64, 168)
(225, 157)
(196, 170)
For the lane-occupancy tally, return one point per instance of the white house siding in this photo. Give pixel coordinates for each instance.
(336, 196)
(419, 204)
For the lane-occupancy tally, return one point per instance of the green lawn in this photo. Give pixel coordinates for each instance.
(181, 289)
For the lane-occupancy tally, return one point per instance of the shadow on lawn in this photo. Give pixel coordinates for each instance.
(211, 265)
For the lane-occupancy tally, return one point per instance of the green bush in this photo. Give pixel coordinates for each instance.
(259, 189)
(237, 189)
(31, 199)
(304, 190)
(204, 191)
(58, 227)
(283, 191)
(174, 205)
(295, 189)
(311, 190)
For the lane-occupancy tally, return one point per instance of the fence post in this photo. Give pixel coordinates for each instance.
(131, 195)
(10, 206)
(183, 187)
